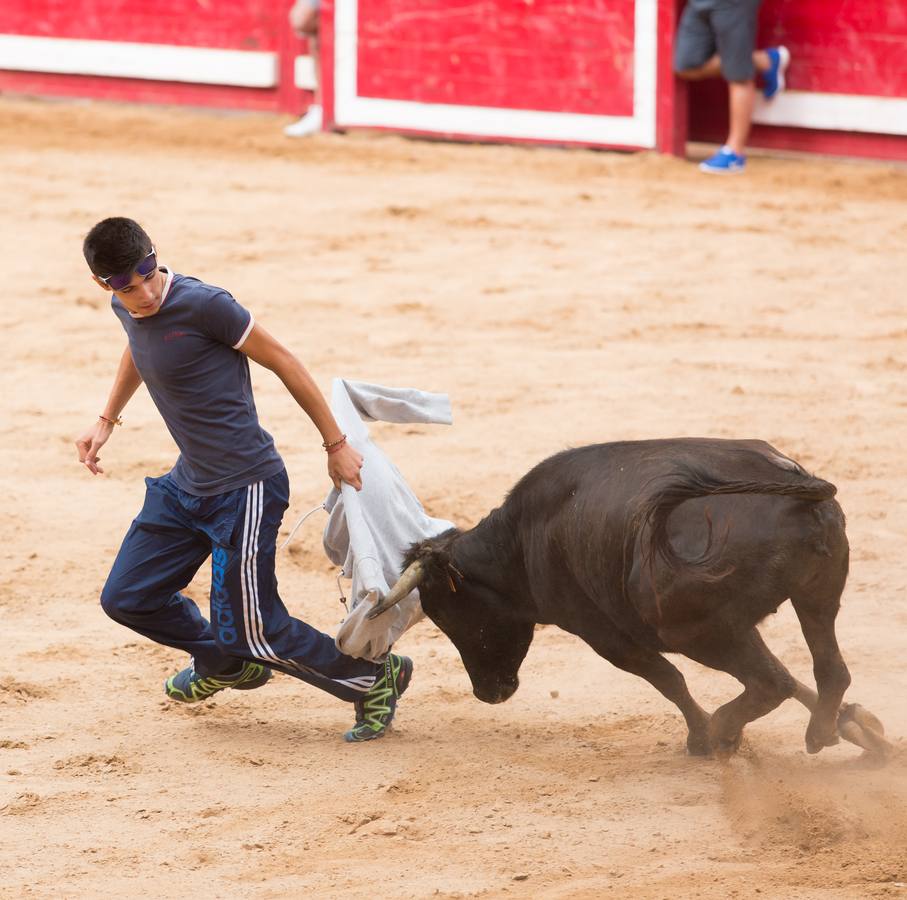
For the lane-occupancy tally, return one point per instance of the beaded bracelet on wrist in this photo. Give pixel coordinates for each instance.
(328, 444)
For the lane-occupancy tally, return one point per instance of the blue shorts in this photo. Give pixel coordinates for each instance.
(168, 542)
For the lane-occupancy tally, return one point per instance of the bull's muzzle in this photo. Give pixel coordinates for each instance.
(497, 693)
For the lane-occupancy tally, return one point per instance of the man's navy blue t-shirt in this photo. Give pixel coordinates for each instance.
(188, 356)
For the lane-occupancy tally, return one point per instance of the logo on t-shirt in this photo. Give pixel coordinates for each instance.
(174, 335)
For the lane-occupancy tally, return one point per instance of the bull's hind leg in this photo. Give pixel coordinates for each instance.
(817, 619)
(624, 653)
(854, 723)
(766, 684)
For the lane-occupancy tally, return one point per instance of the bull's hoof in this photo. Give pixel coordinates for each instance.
(861, 727)
(698, 744)
(821, 733)
(724, 745)
(815, 743)
(853, 712)
(725, 733)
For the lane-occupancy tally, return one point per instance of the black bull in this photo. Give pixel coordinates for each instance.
(649, 547)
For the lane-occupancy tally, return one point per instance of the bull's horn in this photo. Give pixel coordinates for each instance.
(405, 583)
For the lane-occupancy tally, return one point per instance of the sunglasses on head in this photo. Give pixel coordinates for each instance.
(144, 268)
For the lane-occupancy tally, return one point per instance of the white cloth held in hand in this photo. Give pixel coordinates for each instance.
(368, 531)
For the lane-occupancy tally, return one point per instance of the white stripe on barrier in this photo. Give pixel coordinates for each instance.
(154, 62)
(637, 130)
(304, 73)
(835, 112)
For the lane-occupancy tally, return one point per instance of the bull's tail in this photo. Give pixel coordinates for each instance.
(688, 483)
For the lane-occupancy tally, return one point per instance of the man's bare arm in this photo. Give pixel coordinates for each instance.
(125, 384)
(267, 351)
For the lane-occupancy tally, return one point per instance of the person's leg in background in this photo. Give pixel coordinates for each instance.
(717, 39)
(734, 26)
(305, 17)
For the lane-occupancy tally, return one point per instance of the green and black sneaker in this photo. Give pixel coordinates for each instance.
(375, 711)
(190, 687)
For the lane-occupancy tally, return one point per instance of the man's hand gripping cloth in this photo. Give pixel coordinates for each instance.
(368, 531)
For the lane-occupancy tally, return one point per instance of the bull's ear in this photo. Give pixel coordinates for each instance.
(422, 552)
(430, 563)
(435, 552)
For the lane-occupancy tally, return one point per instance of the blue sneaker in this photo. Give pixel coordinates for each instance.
(723, 162)
(773, 80)
(375, 711)
(188, 686)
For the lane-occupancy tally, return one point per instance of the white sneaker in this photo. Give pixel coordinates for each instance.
(310, 123)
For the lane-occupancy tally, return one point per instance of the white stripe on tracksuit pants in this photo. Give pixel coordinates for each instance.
(251, 615)
(173, 536)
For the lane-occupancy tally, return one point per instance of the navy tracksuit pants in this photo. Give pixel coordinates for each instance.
(167, 544)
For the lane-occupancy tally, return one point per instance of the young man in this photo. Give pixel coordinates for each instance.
(225, 497)
(718, 37)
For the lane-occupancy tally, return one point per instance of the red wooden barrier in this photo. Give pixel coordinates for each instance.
(596, 72)
(229, 53)
(536, 70)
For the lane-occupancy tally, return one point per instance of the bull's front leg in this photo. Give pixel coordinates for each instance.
(766, 683)
(622, 652)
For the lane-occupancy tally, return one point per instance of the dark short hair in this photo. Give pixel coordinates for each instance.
(115, 245)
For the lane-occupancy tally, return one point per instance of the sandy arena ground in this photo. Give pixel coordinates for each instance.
(560, 298)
